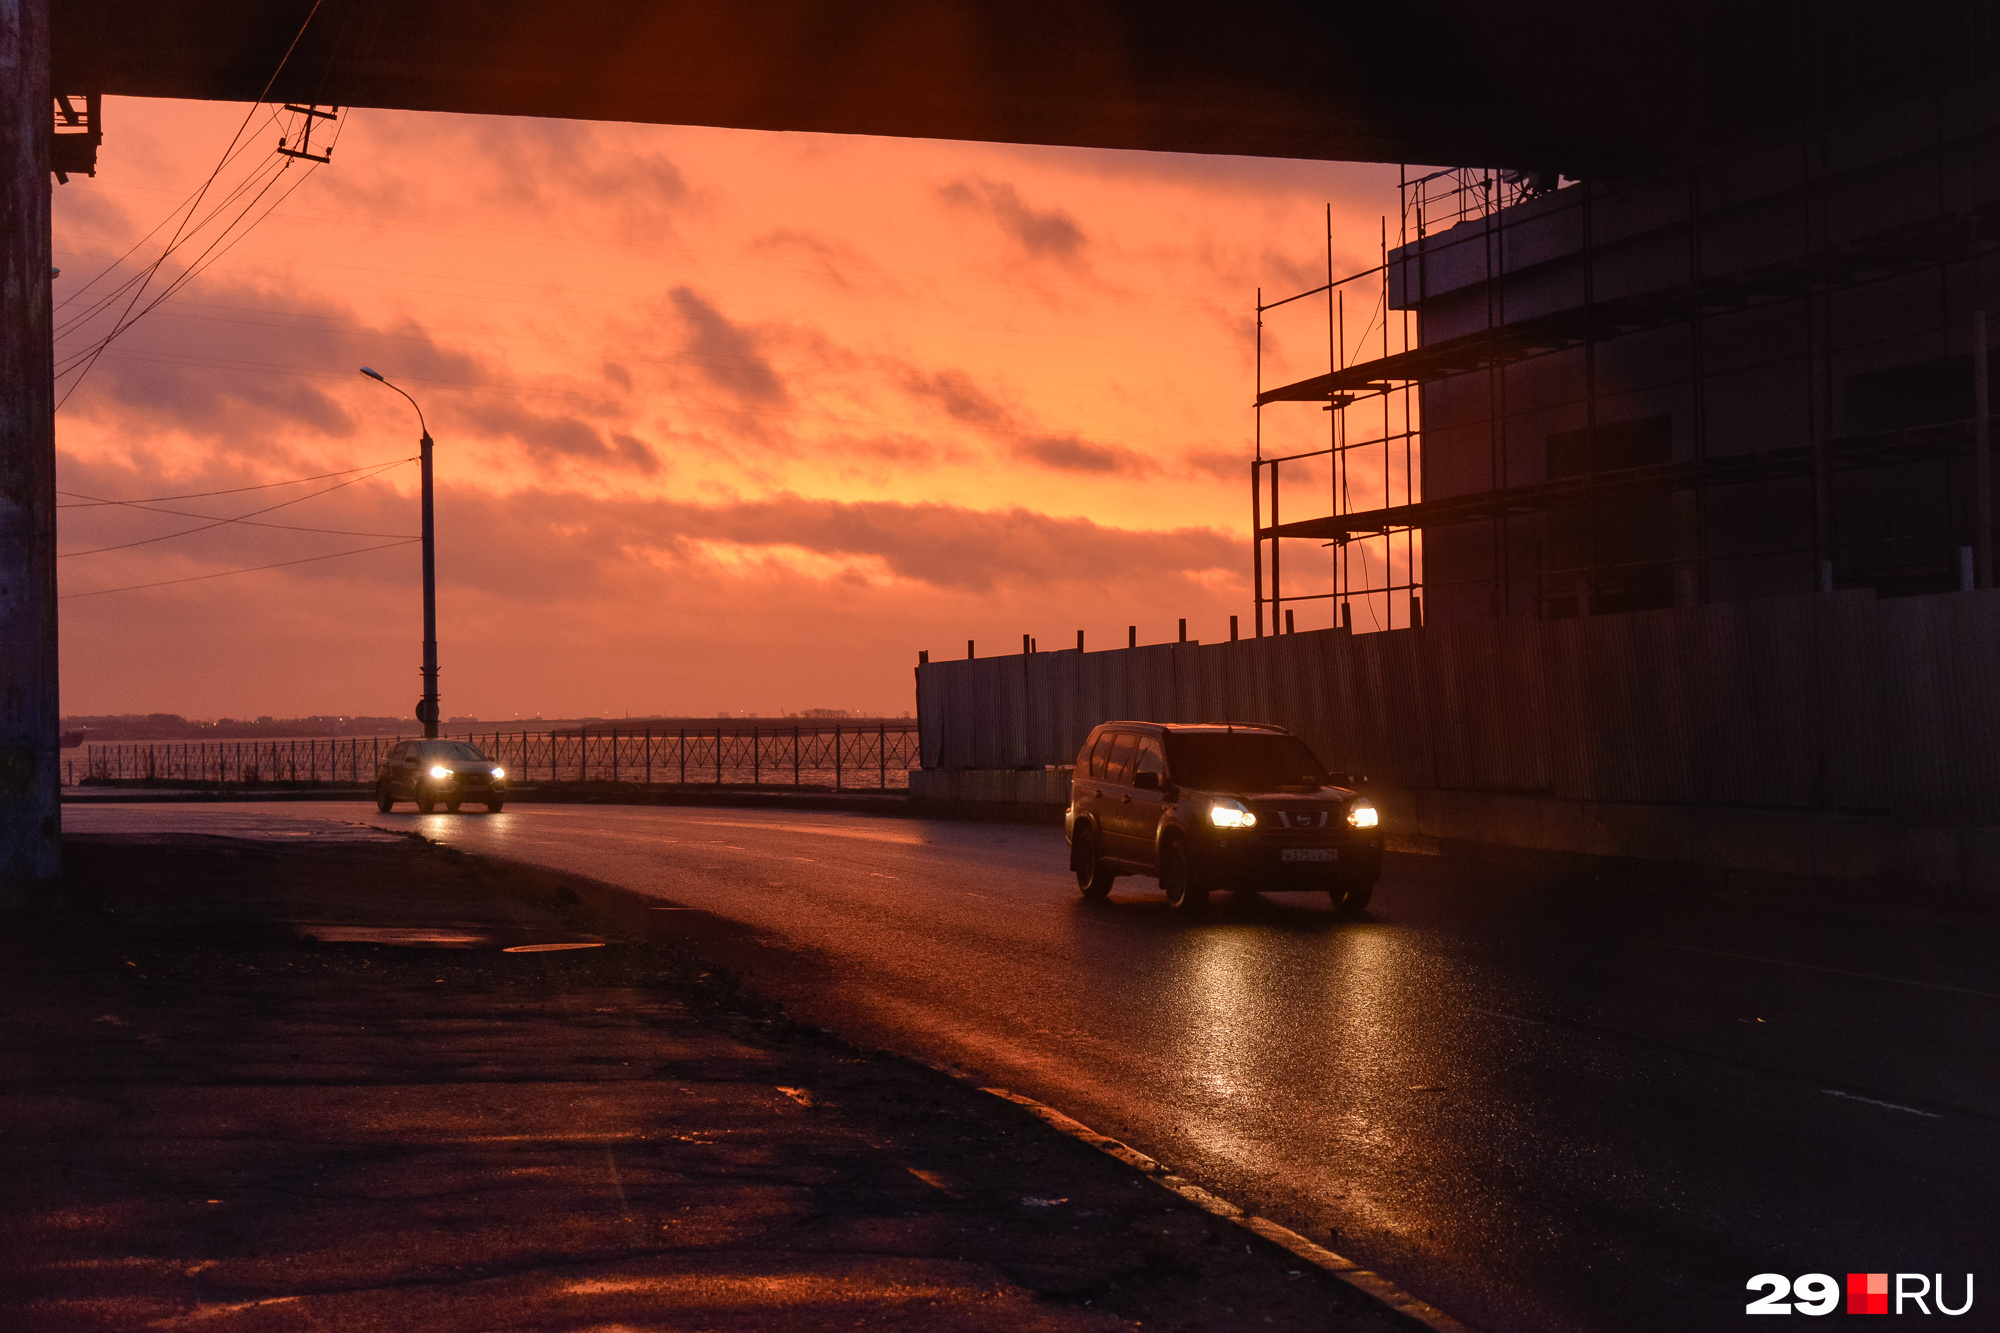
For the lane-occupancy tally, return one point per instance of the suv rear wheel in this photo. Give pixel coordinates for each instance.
(1185, 890)
(1092, 879)
(383, 801)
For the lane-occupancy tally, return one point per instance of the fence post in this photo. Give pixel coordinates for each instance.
(836, 756)
(649, 756)
(614, 754)
(718, 756)
(756, 761)
(795, 754)
(882, 752)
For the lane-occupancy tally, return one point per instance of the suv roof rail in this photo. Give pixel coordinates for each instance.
(1260, 726)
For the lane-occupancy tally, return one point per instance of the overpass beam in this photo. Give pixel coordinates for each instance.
(30, 826)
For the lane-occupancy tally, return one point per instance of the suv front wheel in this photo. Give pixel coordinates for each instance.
(1351, 899)
(1185, 890)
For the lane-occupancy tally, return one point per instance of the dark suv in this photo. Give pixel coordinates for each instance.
(1217, 805)
(434, 773)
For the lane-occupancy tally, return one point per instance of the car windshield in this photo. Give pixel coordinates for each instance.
(1242, 761)
(453, 750)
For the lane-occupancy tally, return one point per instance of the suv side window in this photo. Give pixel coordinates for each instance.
(1119, 768)
(395, 755)
(1100, 756)
(1152, 759)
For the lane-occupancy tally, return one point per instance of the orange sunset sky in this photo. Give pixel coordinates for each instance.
(726, 420)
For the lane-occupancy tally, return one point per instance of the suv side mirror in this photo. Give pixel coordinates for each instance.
(1146, 781)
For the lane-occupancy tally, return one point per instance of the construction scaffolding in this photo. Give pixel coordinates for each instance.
(1373, 448)
(1637, 503)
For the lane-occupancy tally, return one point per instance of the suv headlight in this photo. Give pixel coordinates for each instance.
(1229, 813)
(499, 772)
(1362, 815)
(440, 772)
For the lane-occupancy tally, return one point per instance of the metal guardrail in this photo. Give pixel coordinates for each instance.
(841, 757)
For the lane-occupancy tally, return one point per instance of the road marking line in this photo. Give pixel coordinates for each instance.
(1877, 1101)
(1511, 1018)
(1344, 1269)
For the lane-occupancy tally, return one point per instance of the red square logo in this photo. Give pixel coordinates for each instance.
(1867, 1293)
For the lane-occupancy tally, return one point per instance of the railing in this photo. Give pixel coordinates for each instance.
(877, 755)
(1446, 198)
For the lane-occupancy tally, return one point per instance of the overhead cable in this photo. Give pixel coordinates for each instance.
(225, 573)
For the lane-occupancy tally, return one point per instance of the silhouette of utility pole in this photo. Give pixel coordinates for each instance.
(427, 707)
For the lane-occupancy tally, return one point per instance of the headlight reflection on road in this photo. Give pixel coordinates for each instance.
(1225, 1014)
(1380, 1082)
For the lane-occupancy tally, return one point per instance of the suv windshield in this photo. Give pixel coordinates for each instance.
(1242, 761)
(452, 750)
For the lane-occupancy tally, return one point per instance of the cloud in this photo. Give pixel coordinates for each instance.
(726, 353)
(950, 546)
(839, 262)
(548, 165)
(239, 365)
(238, 357)
(553, 438)
(961, 399)
(1042, 234)
(1066, 453)
(1218, 463)
(568, 545)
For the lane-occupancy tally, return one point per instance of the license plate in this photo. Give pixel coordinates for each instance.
(1309, 854)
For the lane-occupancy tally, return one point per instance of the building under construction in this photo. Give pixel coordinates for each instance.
(1668, 489)
(1759, 373)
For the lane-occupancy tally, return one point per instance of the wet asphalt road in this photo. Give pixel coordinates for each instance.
(1538, 1104)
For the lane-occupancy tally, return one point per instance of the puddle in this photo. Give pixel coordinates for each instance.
(406, 937)
(439, 937)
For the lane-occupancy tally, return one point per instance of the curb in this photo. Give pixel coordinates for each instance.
(1369, 1283)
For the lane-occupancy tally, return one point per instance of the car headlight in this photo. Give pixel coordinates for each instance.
(499, 772)
(440, 771)
(1362, 815)
(1228, 813)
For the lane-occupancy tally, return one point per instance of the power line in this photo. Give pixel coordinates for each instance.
(82, 361)
(225, 573)
(235, 490)
(221, 522)
(245, 522)
(126, 317)
(112, 267)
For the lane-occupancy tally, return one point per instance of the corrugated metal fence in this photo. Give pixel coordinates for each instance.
(877, 755)
(1833, 702)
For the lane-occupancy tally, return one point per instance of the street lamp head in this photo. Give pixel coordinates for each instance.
(372, 373)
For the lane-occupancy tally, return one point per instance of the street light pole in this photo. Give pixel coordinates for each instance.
(428, 711)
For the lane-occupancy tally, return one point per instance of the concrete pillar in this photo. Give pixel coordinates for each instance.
(29, 814)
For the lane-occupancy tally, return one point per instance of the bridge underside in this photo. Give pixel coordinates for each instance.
(1574, 85)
